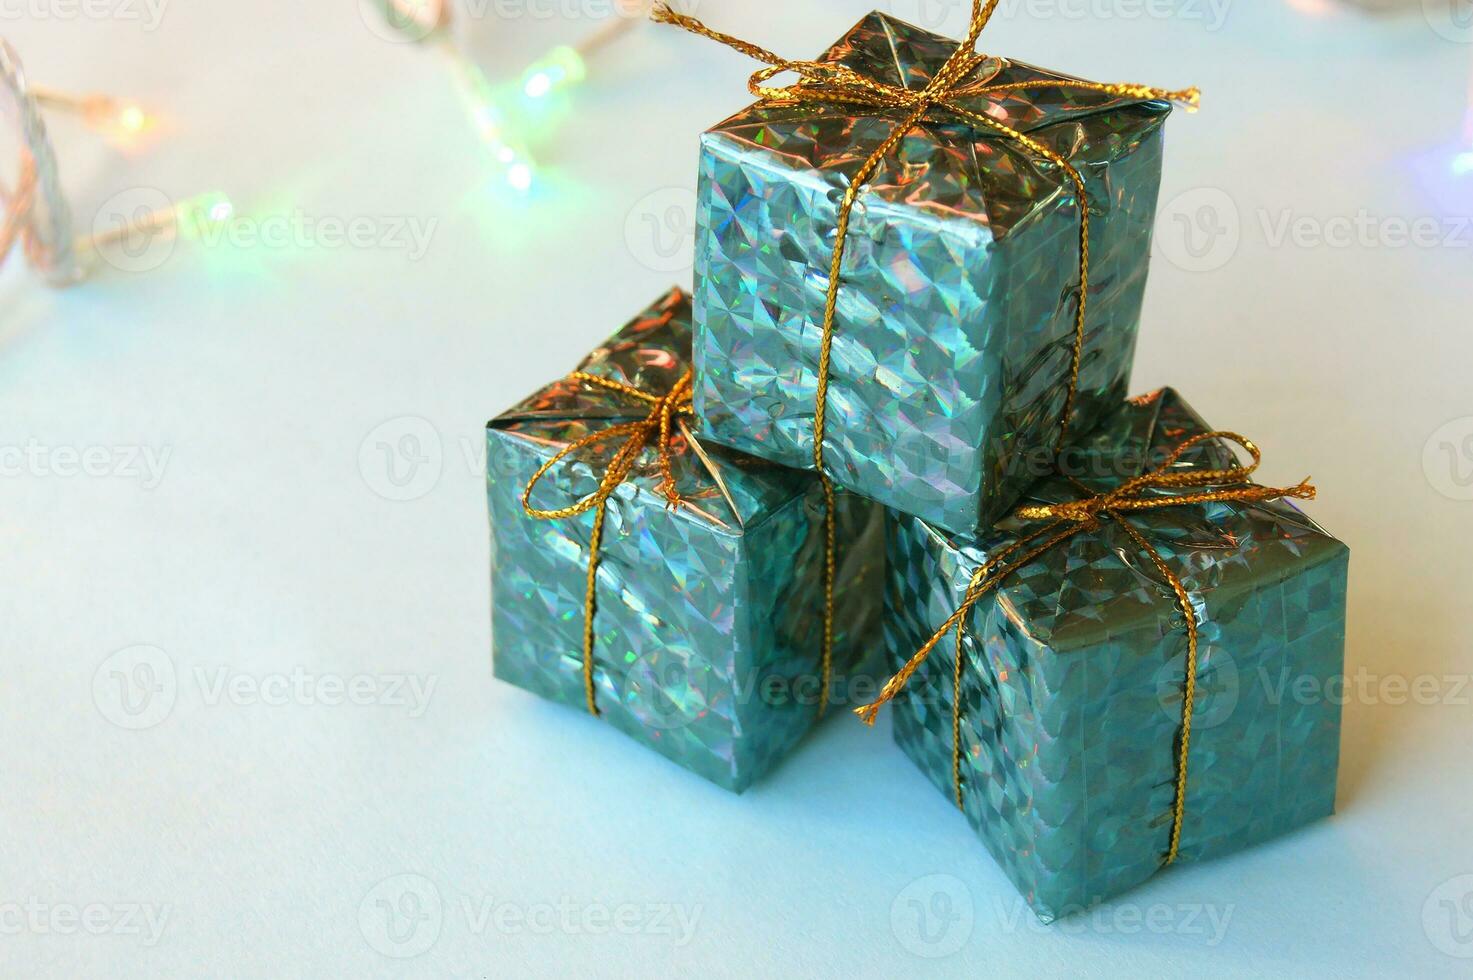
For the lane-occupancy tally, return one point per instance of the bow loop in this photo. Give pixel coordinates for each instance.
(657, 427)
(822, 81)
(1141, 492)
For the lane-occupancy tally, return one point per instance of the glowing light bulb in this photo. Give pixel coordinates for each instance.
(117, 118)
(1312, 8)
(131, 118)
(516, 164)
(196, 215)
(562, 66)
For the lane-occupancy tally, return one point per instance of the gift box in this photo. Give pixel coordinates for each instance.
(1071, 689)
(707, 598)
(953, 351)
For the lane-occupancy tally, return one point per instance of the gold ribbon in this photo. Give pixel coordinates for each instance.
(16, 225)
(1070, 518)
(658, 427)
(826, 82)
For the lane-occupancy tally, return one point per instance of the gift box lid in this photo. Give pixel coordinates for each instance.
(1100, 581)
(719, 486)
(897, 53)
(818, 137)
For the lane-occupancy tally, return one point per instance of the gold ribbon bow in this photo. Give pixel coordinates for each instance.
(658, 426)
(939, 101)
(1086, 514)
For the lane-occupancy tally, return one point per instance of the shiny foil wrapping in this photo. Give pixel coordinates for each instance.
(955, 321)
(709, 615)
(1074, 671)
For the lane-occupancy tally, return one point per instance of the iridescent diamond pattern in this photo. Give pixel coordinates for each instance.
(1074, 674)
(955, 321)
(709, 615)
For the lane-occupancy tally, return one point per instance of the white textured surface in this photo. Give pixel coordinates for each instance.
(260, 831)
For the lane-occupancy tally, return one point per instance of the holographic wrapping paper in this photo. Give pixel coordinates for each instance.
(955, 322)
(1074, 669)
(709, 615)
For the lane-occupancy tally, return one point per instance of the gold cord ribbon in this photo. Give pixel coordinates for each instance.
(827, 82)
(16, 224)
(1070, 518)
(657, 427)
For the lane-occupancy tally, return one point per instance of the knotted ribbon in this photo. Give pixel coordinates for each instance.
(1144, 492)
(658, 427)
(938, 101)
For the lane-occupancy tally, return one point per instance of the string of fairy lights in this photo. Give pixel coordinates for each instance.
(36, 219)
(430, 22)
(36, 215)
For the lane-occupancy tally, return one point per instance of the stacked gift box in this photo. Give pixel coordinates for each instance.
(700, 534)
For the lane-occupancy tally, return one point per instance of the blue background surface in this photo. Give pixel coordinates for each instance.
(173, 640)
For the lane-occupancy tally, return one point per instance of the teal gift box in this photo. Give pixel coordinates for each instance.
(953, 354)
(708, 612)
(1071, 688)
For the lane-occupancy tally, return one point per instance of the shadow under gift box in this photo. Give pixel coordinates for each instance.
(955, 322)
(709, 614)
(1074, 673)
